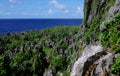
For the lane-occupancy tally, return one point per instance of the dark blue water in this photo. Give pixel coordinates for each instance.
(20, 25)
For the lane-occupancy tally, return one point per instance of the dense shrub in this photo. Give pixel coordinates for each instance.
(30, 53)
(111, 39)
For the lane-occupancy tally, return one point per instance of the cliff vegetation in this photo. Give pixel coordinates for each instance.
(54, 51)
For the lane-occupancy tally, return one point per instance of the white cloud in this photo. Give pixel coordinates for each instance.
(58, 5)
(12, 1)
(50, 11)
(16, 2)
(79, 9)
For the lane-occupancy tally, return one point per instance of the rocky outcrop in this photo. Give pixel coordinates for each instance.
(51, 52)
(113, 10)
(94, 62)
(48, 73)
(79, 65)
(100, 65)
(92, 8)
(43, 53)
(96, 14)
(103, 65)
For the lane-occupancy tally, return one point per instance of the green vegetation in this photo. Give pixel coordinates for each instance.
(111, 35)
(111, 39)
(93, 4)
(30, 53)
(93, 30)
(116, 66)
(101, 13)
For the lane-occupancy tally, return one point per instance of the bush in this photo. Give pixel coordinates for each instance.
(115, 68)
(57, 62)
(110, 37)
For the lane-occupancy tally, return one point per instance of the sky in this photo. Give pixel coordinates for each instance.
(41, 9)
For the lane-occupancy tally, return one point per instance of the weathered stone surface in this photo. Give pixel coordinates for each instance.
(113, 10)
(103, 66)
(102, 27)
(48, 73)
(97, 64)
(90, 61)
(79, 65)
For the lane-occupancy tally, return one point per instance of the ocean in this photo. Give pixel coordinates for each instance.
(20, 25)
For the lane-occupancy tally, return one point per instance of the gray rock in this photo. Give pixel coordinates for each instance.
(48, 73)
(102, 27)
(90, 61)
(113, 11)
(103, 66)
(80, 66)
(60, 74)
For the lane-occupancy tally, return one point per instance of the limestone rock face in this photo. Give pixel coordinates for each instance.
(99, 63)
(87, 58)
(101, 67)
(114, 10)
(48, 73)
(94, 63)
(93, 7)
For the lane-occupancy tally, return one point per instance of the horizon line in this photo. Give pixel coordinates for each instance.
(41, 18)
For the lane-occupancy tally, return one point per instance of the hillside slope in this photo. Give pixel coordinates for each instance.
(101, 27)
(89, 50)
(34, 53)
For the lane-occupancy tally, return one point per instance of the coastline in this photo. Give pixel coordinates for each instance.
(11, 26)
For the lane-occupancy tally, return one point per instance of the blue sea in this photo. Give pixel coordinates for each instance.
(20, 25)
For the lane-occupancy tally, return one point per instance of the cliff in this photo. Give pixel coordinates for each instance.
(89, 50)
(100, 28)
(96, 14)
